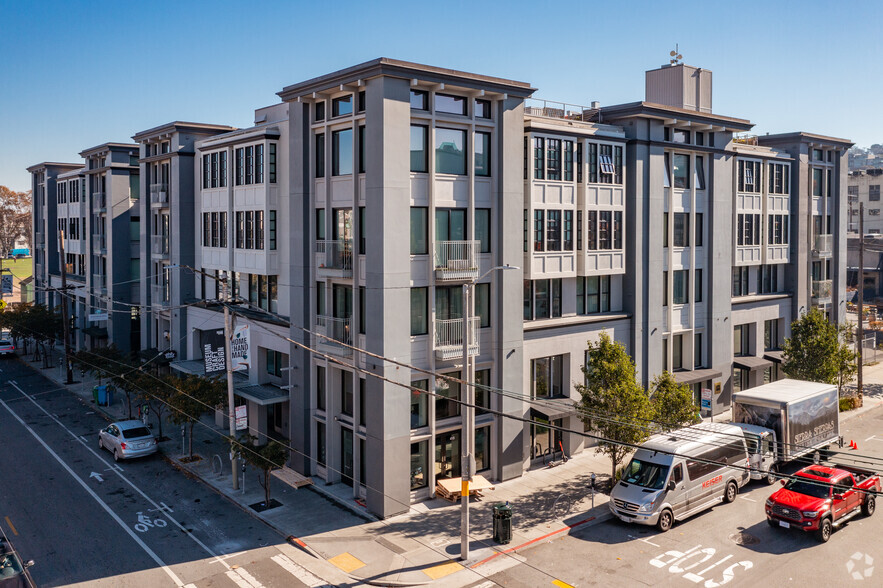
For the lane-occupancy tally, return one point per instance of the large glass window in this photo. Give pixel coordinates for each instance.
(450, 224)
(680, 286)
(817, 181)
(419, 410)
(553, 234)
(547, 377)
(482, 449)
(320, 388)
(419, 227)
(346, 393)
(482, 391)
(320, 155)
(419, 465)
(419, 311)
(419, 148)
(450, 151)
(450, 104)
(447, 398)
(342, 152)
(553, 159)
(681, 229)
(342, 106)
(482, 109)
(419, 100)
(483, 229)
(482, 304)
(482, 154)
(681, 169)
(592, 294)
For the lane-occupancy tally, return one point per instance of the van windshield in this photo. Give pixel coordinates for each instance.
(646, 474)
(753, 442)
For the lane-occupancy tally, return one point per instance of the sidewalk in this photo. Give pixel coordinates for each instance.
(342, 543)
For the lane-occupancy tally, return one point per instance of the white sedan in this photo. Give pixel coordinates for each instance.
(127, 439)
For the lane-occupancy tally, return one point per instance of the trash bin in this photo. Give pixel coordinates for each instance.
(109, 398)
(95, 394)
(102, 395)
(502, 523)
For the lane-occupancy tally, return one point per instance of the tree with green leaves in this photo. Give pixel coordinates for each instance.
(819, 351)
(266, 458)
(611, 389)
(156, 391)
(672, 403)
(192, 397)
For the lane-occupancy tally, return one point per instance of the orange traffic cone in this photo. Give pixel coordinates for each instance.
(852, 444)
(855, 445)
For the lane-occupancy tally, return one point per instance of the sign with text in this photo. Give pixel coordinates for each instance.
(239, 347)
(97, 316)
(241, 418)
(6, 283)
(213, 352)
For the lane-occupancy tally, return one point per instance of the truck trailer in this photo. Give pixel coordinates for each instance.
(785, 420)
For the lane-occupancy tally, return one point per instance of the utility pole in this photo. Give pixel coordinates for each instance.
(468, 443)
(64, 319)
(228, 360)
(861, 298)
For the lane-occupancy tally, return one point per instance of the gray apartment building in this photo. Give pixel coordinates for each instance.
(660, 222)
(864, 188)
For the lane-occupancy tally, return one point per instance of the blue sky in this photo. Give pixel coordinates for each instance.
(77, 74)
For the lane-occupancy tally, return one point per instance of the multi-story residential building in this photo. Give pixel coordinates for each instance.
(864, 188)
(659, 222)
(168, 173)
(72, 210)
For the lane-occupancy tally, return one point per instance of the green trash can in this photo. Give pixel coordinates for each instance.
(502, 523)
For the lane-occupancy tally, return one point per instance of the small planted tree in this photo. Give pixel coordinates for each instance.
(193, 396)
(818, 351)
(611, 390)
(266, 458)
(672, 403)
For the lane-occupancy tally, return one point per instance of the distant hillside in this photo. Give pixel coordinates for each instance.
(861, 158)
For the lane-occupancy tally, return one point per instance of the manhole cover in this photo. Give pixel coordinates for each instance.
(743, 538)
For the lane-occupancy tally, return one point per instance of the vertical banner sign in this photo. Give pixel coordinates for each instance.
(239, 348)
(241, 418)
(213, 352)
(6, 283)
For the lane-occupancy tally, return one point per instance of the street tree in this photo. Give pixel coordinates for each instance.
(818, 351)
(613, 404)
(36, 322)
(266, 458)
(672, 403)
(192, 397)
(15, 218)
(156, 391)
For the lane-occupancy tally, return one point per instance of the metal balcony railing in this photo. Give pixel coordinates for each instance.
(821, 290)
(823, 245)
(548, 108)
(159, 193)
(335, 258)
(449, 338)
(338, 329)
(99, 243)
(159, 294)
(159, 245)
(456, 260)
(99, 201)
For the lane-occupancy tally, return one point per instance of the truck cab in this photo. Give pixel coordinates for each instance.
(762, 452)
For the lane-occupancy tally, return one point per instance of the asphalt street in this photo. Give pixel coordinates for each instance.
(728, 544)
(86, 520)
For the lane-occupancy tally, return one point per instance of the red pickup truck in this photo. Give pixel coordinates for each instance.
(819, 498)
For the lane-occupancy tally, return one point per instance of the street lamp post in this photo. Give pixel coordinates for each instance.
(467, 463)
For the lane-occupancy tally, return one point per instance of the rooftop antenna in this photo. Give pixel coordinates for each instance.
(675, 56)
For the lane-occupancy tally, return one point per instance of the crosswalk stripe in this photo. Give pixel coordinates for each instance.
(298, 572)
(243, 579)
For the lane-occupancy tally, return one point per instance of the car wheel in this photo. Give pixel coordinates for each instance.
(666, 520)
(869, 505)
(771, 476)
(730, 494)
(116, 454)
(100, 443)
(825, 530)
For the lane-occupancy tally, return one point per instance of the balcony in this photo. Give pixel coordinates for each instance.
(99, 244)
(455, 260)
(549, 109)
(159, 246)
(159, 195)
(449, 338)
(99, 282)
(99, 202)
(338, 329)
(334, 259)
(821, 291)
(823, 245)
(159, 294)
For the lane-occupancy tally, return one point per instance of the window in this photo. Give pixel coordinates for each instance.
(579, 162)
(741, 341)
(320, 155)
(274, 363)
(419, 149)
(419, 311)
(681, 229)
(873, 212)
(777, 233)
(206, 229)
(740, 281)
(538, 159)
(568, 230)
(592, 230)
(320, 299)
(419, 100)
(447, 398)
(680, 136)
(482, 392)
(604, 218)
(419, 228)
(593, 163)
(592, 294)
(320, 111)
(346, 393)
(259, 164)
(698, 231)
(700, 172)
(665, 230)
(697, 350)
(677, 352)
(342, 106)
(542, 299)
(768, 279)
(240, 229)
(215, 229)
(320, 444)
(259, 229)
(450, 104)
(771, 334)
(240, 166)
(697, 278)
(482, 154)
(748, 229)
(749, 176)
(363, 306)
(271, 230)
(817, 155)
(450, 151)
(568, 161)
(272, 171)
(681, 170)
(483, 229)
(553, 233)
(538, 230)
(320, 224)
(249, 229)
(778, 178)
(249, 164)
(419, 411)
(553, 159)
(363, 234)
(482, 109)
(362, 149)
(342, 152)
(547, 377)
(817, 181)
(874, 192)
(419, 465)
(666, 176)
(680, 286)
(482, 304)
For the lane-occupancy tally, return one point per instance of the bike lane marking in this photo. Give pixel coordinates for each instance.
(115, 468)
(97, 499)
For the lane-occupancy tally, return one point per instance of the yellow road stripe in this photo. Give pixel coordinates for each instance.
(561, 584)
(442, 570)
(11, 526)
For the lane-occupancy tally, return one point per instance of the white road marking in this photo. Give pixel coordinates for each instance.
(748, 499)
(299, 572)
(243, 579)
(873, 437)
(86, 487)
(644, 539)
(487, 584)
(119, 472)
(97, 476)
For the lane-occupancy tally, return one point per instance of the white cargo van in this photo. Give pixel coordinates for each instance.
(675, 475)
